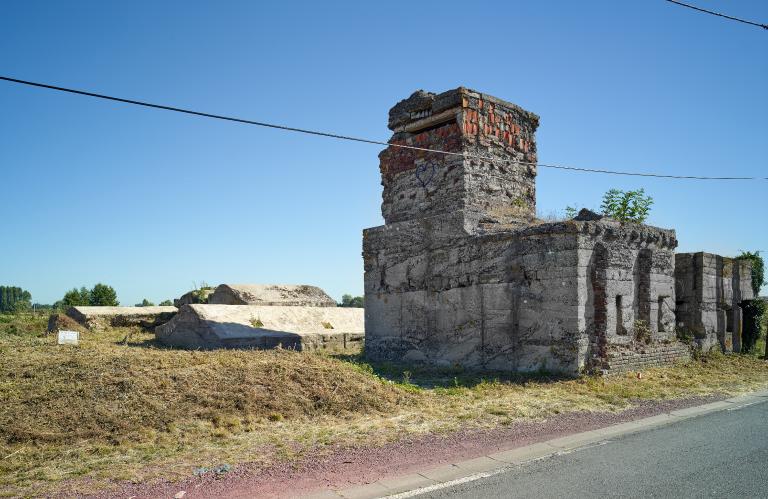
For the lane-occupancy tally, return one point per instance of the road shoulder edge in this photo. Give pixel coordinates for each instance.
(415, 483)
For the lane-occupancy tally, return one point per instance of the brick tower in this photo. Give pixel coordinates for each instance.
(420, 184)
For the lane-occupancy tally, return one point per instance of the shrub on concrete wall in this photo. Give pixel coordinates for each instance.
(758, 269)
(752, 323)
(629, 206)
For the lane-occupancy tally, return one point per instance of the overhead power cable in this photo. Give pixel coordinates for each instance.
(358, 139)
(718, 14)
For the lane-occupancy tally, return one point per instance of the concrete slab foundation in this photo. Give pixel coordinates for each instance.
(209, 326)
(103, 317)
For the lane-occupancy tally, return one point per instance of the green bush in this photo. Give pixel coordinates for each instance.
(351, 301)
(76, 298)
(629, 206)
(104, 296)
(100, 295)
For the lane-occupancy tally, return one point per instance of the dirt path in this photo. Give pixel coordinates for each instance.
(347, 467)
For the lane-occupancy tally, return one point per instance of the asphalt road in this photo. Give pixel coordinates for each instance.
(724, 454)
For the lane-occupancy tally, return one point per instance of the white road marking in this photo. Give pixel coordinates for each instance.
(458, 481)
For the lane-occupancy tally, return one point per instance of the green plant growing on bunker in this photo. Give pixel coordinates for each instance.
(627, 206)
(758, 269)
(754, 310)
(201, 292)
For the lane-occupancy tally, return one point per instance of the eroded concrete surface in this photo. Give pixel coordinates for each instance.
(208, 326)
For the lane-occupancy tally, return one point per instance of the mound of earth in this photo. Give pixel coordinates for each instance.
(60, 322)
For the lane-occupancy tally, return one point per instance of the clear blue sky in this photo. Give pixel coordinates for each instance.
(150, 201)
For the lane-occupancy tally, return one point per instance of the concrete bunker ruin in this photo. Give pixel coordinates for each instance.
(462, 274)
(711, 291)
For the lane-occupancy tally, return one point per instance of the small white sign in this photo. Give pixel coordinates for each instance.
(68, 337)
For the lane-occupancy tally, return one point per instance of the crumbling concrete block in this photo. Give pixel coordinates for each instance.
(200, 326)
(194, 296)
(102, 317)
(270, 295)
(710, 291)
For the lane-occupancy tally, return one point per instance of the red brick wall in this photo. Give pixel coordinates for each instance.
(509, 133)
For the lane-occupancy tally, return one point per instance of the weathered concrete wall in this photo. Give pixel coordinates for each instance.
(628, 290)
(205, 326)
(710, 289)
(482, 301)
(542, 297)
(271, 295)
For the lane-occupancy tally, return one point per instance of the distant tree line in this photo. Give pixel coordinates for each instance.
(14, 299)
(147, 303)
(100, 295)
(351, 301)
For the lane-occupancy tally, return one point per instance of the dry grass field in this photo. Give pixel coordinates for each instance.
(119, 407)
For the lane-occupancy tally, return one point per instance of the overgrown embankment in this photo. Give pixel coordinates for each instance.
(118, 407)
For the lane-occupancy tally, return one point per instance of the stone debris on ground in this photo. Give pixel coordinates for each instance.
(209, 326)
(62, 322)
(96, 318)
(195, 296)
(271, 295)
